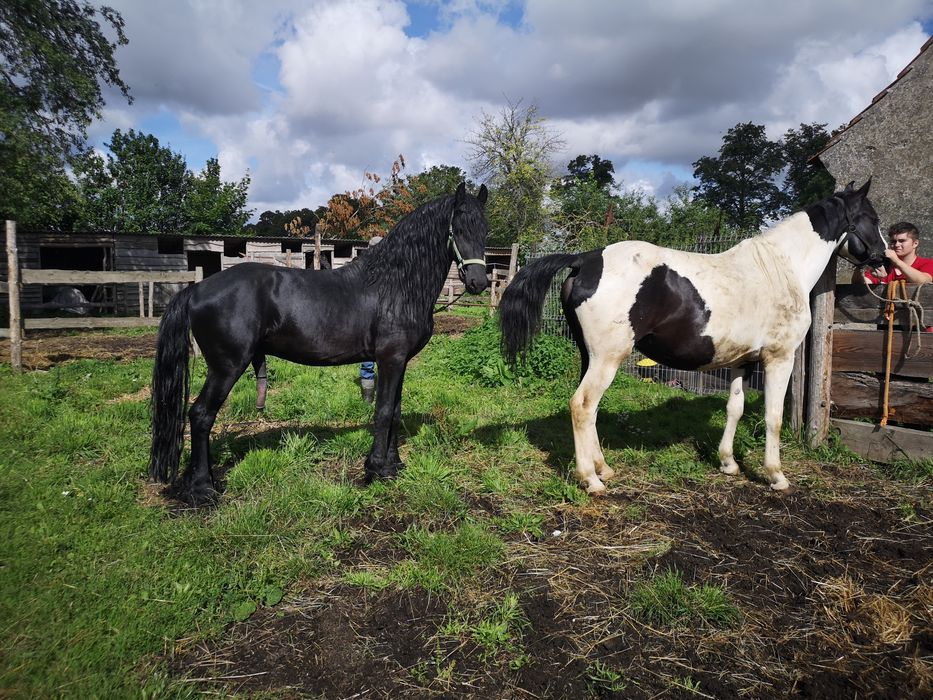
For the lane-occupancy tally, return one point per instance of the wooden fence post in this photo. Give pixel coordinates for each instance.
(796, 397)
(820, 356)
(16, 329)
(317, 248)
(513, 262)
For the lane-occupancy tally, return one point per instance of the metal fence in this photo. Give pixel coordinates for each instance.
(707, 382)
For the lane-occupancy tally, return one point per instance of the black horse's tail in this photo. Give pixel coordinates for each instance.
(523, 300)
(170, 386)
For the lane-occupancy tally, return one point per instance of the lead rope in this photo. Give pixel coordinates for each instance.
(914, 309)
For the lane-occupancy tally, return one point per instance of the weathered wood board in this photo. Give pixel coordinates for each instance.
(864, 351)
(886, 444)
(859, 395)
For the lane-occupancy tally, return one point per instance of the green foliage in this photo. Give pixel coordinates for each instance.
(442, 559)
(740, 181)
(142, 186)
(501, 630)
(54, 55)
(477, 356)
(513, 151)
(805, 181)
(213, 206)
(602, 678)
(667, 600)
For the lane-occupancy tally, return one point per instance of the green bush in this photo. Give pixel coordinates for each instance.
(477, 357)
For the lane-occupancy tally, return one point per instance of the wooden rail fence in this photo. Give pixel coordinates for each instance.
(840, 383)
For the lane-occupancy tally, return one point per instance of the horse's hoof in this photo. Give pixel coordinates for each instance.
(606, 473)
(196, 496)
(596, 489)
(781, 484)
(730, 469)
(385, 474)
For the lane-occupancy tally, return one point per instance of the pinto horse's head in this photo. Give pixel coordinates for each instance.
(466, 238)
(858, 234)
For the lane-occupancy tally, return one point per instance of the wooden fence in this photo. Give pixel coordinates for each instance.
(840, 379)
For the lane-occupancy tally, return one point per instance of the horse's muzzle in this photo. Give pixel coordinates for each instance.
(474, 278)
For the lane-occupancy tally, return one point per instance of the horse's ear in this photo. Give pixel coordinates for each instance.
(460, 195)
(863, 190)
(850, 188)
(483, 195)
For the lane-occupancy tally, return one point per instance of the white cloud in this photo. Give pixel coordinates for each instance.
(638, 83)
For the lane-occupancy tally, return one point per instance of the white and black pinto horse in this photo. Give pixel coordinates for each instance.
(693, 311)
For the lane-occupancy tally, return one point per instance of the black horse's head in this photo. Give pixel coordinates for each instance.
(857, 231)
(466, 238)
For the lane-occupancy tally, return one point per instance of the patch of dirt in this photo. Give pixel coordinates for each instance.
(835, 599)
(45, 349)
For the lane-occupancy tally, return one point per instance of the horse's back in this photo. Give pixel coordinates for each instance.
(688, 310)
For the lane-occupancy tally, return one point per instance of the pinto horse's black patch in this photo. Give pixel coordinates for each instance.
(668, 318)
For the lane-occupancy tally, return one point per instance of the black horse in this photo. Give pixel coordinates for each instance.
(378, 307)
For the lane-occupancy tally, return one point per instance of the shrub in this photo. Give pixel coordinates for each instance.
(477, 357)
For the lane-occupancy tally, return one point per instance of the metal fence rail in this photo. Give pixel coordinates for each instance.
(707, 382)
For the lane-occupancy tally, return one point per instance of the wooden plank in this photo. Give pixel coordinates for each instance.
(795, 400)
(93, 277)
(15, 331)
(864, 351)
(855, 304)
(60, 323)
(820, 356)
(858, 395)
(885, 444)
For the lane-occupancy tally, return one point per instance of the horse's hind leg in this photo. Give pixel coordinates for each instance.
(197, 484)
(591, 464)
(735, 406)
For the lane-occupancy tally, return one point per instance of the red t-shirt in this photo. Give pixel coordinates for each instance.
(922, 264)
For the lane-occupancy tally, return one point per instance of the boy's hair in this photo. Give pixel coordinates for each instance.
(904, 227)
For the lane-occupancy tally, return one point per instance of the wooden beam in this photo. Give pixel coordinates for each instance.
(94, 277)
(820, 356)
(855, 304)
(15, 332)
(886, 444)
(858, 395)
(864, 351)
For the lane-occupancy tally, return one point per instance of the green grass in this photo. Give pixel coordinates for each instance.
(98, 577)
(667, 600)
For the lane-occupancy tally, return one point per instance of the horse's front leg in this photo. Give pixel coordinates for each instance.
(735, 406)
(777, 375)
(383, 461)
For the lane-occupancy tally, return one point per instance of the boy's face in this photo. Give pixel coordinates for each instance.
(903, 244)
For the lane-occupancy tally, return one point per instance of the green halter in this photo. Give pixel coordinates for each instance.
(452, 244)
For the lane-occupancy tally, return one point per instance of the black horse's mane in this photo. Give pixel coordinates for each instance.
(409, 266)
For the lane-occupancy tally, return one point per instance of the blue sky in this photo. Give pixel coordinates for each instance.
(307, 95)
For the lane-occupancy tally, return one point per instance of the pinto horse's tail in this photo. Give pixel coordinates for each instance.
(523, 300)
(170, 388)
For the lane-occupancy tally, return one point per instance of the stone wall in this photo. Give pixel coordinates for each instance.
(892, 141)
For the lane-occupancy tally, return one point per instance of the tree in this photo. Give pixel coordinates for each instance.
(53, 57)
(437, 181)
(370, 210)
(741, 181)
(805, 181)
(513, 150)
(583, 167)
(141, 186)
(215, 206)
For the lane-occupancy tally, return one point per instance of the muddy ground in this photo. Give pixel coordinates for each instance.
(835, 597)
(45, 349)
(834, 583)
